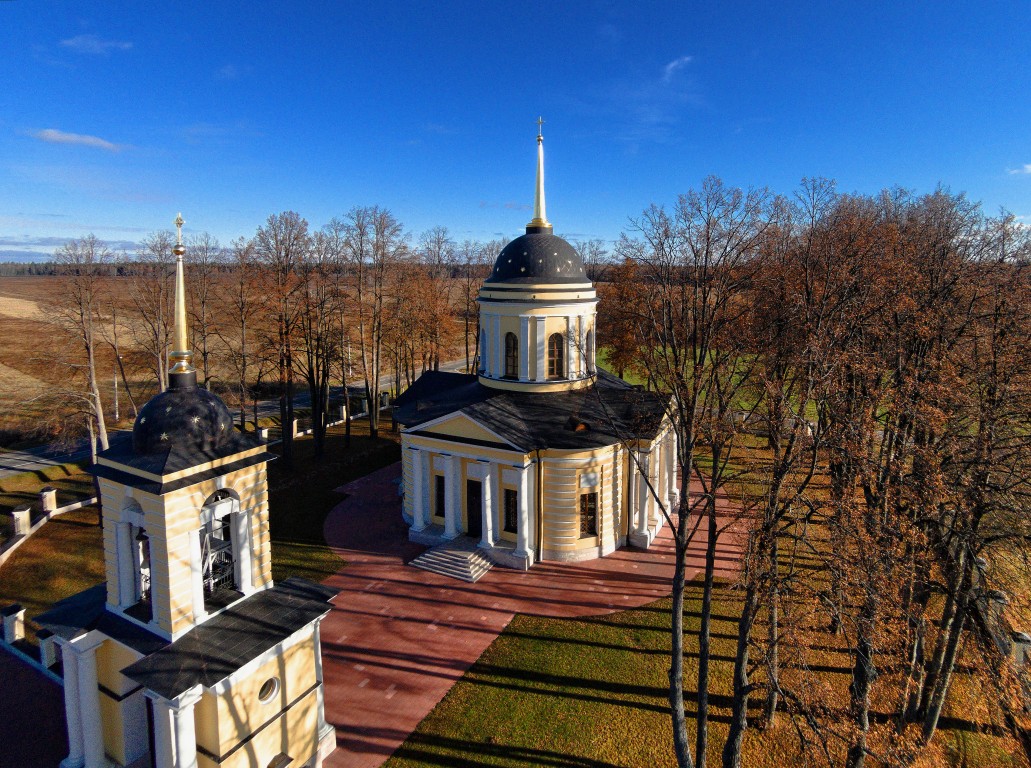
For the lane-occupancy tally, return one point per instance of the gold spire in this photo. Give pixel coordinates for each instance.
(539, 217)
(182, 355)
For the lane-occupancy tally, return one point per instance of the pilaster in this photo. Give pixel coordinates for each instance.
(525, 346)
(542, 348)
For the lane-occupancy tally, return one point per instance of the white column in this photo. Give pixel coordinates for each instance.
(499, 351)
(494, 481)
(654, 470)
(671, 468)
(418, 510)
(242, 544)
(487, 499)
(451, 510)
(185, 729)
(542, 348)
(319, 692)
(71, 706)
(164, 734)
(89, 704)
(525, 345)
(592, 360)
(581, 347)
(523, 524)
(197, 577)
(126, 570)
(642, 493)
(570, 347)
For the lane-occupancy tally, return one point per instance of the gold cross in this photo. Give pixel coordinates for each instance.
(179, 229)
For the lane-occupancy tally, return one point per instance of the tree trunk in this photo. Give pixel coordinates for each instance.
(681, 747)
(863, 674)
(941, 687)
(739, 706)
(772, 651)
(705, 637)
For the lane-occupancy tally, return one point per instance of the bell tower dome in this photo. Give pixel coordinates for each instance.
(537, 310)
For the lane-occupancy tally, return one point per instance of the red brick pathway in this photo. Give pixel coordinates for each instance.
(398, 638)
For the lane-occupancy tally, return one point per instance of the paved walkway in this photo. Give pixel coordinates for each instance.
(398, 638)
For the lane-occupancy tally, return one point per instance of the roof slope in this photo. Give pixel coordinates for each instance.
(599, 415)
(214, 650)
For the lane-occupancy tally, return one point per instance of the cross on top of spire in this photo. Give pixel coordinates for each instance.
(540, 122)
(179, 229)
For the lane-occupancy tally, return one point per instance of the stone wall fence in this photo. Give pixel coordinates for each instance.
(24, 526)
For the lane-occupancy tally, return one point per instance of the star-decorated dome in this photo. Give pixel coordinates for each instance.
(538, 257)
(189, 419)
(185, 418)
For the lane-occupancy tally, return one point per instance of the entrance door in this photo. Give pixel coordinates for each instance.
(474, 508)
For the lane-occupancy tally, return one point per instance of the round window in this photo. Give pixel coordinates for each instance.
(268, 689)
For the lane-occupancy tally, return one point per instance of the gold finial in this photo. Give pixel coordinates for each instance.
(539, 218)
(182, 355)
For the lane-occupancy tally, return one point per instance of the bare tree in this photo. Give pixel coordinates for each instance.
(594, 256)
(206, 258)
(691, 262)
(437, 254)
(152, 294)
(239, 300)
(280, 246)
(317, 316)
(375, 243)
(78, 311)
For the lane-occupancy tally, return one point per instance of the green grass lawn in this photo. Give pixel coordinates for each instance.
(592, 693)
(62, 558)
(601, 358)
(562, 692)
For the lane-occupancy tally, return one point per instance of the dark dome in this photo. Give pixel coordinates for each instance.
(538, 257)
(190, 419)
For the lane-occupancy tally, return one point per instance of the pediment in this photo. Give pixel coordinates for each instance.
(462, 426)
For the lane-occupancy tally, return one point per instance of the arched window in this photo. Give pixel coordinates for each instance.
(511, 356)
(556, 364)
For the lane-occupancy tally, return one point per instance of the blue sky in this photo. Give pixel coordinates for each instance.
(114, 116)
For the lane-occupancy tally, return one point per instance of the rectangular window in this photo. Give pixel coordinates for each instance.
(511, 511)
(439, 495)
(588, 514)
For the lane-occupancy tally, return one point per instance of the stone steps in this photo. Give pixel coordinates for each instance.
(457, 561)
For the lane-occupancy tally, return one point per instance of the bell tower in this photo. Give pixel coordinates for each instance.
(186, 520)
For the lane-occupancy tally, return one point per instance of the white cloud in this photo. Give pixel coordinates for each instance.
(94, 46)
(54, 136)
(1026, 168)
(228, 72)
(671, 69)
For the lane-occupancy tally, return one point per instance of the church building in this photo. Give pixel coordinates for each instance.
(539, 455)
(189, 656)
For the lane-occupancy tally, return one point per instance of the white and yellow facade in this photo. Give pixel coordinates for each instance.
(538, 455)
